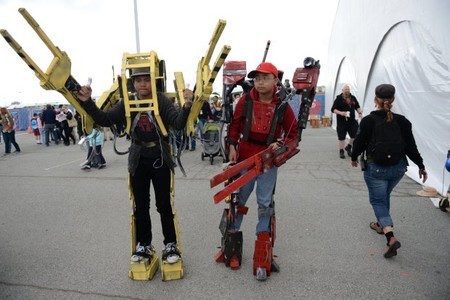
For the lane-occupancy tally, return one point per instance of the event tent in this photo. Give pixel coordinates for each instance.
(405, 43)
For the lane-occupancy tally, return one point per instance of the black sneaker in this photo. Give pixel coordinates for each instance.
(341, 153)
(349, 150)
(171, 253)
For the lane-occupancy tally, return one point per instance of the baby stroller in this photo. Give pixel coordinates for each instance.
(211, 142)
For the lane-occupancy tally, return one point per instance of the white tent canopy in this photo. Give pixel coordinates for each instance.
(404, 43)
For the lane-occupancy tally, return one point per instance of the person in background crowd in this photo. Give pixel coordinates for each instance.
(236, 93)
(204, 116)
(49, 121)
(216, 106)
(41, 128)
(79, 125)
(175, 136)
(62, 125)
(35, 128)
(344, 106)
(95, 158)
(8, 131)
(107, 134)
(67, 128)
(1, 127)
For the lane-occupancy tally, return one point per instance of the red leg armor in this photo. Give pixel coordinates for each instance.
(263, 256)
(231, 243)
(233, 250)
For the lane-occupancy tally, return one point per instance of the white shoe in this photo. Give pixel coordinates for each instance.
(142, 252)
(85, 167)
(171, 254)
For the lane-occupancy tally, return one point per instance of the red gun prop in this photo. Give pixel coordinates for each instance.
(254, 166)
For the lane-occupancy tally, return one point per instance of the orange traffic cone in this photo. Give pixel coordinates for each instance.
(29, 130)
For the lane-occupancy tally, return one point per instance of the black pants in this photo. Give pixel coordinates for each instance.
(98, 158)
(158, 173)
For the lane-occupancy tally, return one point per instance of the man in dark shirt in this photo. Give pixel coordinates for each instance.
(49, 122)
(344, 107)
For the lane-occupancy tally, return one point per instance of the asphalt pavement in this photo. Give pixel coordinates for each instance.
(65, 233)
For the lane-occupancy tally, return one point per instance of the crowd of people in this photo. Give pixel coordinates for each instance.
(55, 125)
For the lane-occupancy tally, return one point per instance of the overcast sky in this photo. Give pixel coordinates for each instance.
(95, 34)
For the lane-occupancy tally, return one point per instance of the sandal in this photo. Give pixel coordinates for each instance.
(375, 226)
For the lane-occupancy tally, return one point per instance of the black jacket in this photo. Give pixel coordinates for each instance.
(49, 116)
(366, 128)
(116, 115)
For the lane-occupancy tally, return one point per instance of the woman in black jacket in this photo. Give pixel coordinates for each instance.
(381, 178)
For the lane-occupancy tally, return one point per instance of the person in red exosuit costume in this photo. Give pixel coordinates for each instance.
(249, 134)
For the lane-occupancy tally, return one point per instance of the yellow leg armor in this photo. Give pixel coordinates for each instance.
(146, 268)
(173, 271)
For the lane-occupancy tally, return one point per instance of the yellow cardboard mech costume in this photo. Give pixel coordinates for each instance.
(58, 77)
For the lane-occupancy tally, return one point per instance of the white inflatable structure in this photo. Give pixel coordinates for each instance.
(405, 43)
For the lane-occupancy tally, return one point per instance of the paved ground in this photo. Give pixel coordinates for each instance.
(64, 232)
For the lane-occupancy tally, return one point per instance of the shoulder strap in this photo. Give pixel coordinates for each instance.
(278, 118)
(247, 114)
(133, 125)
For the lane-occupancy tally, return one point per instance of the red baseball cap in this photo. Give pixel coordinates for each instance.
(264, 67)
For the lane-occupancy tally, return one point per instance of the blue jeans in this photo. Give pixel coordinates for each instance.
(50, 129)
(199, 128)
(380, 181)
(265, 184)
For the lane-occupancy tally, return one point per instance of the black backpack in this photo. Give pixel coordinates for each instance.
(386, 147)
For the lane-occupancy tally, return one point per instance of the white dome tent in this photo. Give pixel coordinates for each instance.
(404, 43)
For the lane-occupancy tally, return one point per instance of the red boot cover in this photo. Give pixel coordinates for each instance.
(263, 253)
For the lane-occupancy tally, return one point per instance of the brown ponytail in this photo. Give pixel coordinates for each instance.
(386, 104)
